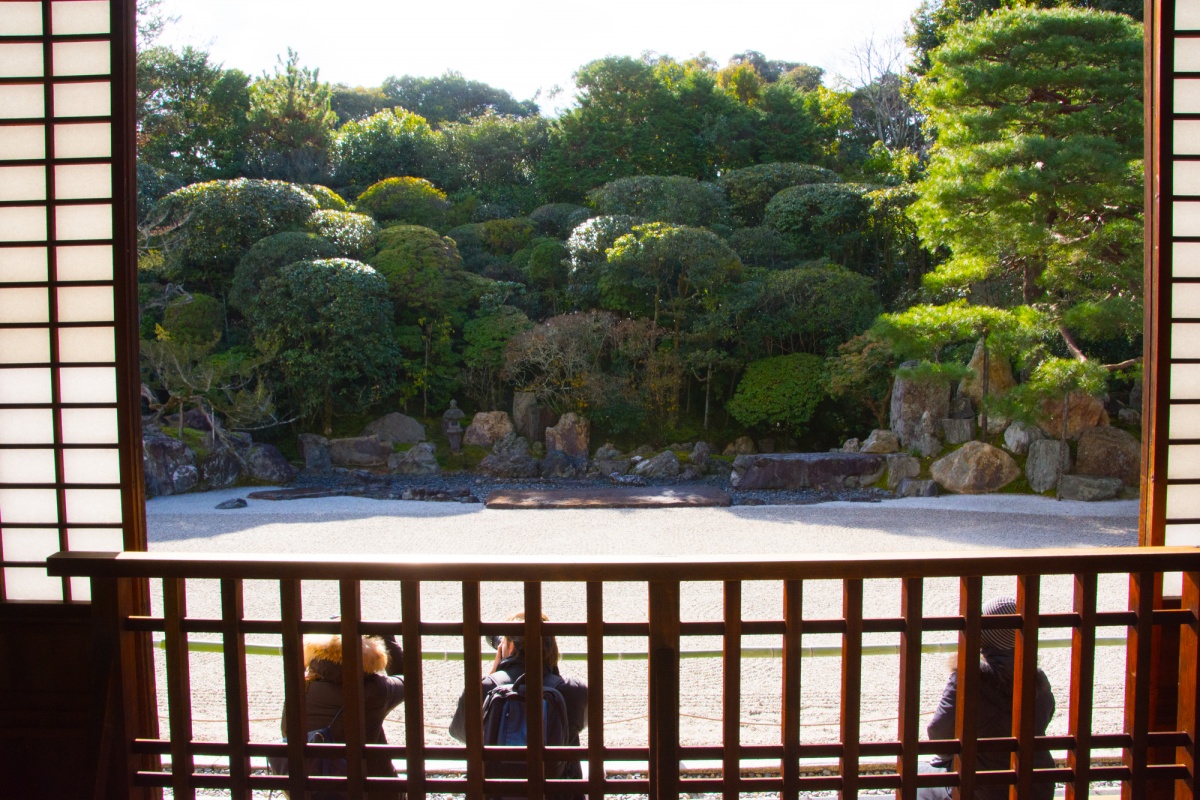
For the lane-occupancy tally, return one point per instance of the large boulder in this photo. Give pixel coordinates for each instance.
(701, 457)
(1000, 376)
(487, 428)
(829, 471)
(610, 466)
(417, 460)
(900, 468)
(221, 469)
(975, 468)
(924, 439)
(529, 419)
(360, 451)
(1020, 435)
(958, 431)
(168, 464)
(314, 450)
(741, 446)
(664, 465)
(510, 459)
(572, 434)
(396, 428)
(911, 487)
(961, 407)
(1048, 461)
(881, 442)
(911, 400)
(607, 452)
(1090, 488)
(266, 465)
(558, 464)
(1110, 453)
(1083, 412)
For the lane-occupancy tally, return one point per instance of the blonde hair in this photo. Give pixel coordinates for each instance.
(329, 648)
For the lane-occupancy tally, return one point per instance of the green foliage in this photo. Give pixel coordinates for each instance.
(354, 235)
(495, 158)
(216, 222)
(863, 373)
(808, 309)
(822, 220)
(548, 265)
(750, 189)
(268, 256)
(390, 142)
(587, 250)
(659, 198)
(506, 236)
(1053, 381)
(558, 220)
(763, 247)
(423, 272)
(452, 98)
(196, 319)
(780, 392)
(352, 103)
(485, 338)
(327, 199)
(415, 201)
(290, 123)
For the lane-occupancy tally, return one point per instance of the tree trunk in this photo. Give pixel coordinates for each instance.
(983, 397)
(327, 425)
(707, 391)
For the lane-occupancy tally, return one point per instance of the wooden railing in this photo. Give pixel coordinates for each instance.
(1142, 765)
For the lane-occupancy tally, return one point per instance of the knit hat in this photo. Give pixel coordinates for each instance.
(998, 638)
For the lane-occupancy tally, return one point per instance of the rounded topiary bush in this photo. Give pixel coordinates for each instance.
(547, 266)
(197, 319)
(422, 267)
(506, 236)
(662, 198)
(270, 255)
(750, 189)
(822, 220)
(354, 235)
(763, 247)
(412, 200)
(558, 219)
(326, 198)
(780, 392)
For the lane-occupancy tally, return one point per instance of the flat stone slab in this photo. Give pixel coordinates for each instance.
(292, 494)
(827, 471)
(616, 497)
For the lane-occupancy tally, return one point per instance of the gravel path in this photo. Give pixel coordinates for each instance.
(356, 525)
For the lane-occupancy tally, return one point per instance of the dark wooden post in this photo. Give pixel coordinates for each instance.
(664, 690)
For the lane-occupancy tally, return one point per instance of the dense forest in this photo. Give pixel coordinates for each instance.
(691, 250)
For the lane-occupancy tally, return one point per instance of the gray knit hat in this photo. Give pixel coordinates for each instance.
(996, 638)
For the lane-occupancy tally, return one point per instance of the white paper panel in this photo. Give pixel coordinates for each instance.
(23, 224)
(1187, 55)
(23, 265)
(21, 60)
(25, 386)
(92, 466)
(85, 304)
(1183, 462)
(30, 544)
(83, 222)
(83, 140)
(1185, 382)
(89, 345)
(31, 584)
(85, 262)
(24, 305)
(1186, 218)
(22, 101)
(96, 540)
(22, 142)
(88, 384)
(93, 506)
(1185, 300)
(81, 590)
(36, 506)
(1185, 340)
(1187, 178)
(22, 183)
(21, 19)
(92, 99)
(25, 346)
(1187, 15)
(83, 182)
(69, 18)
(1187, 96)
(82, 58)
(89, 425)
(1183, 502)
(26, 426)
(26, 466)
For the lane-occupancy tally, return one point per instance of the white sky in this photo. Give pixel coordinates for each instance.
(522, 46)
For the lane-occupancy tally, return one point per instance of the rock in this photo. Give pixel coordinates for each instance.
(924, 439)
(193, 418)
(611, 466)
(1128, 416)
(1089, 488)
(900, 468)
(996, 424)
(162, 457)
(510, 459)
(529, 419)
(396, 428)
(958, 431)
(752, 501)
(911, 400)
(766, 445)
(300, 493)
(361, 451)
(1110, 453)
(881, 442)
(488, 427)
(643, 451)
(690, 473)
(830, 471)
(511, 445)
(975, 468)
(220, 469)
(664, 465)
(910, 487)
(851, 446)
(607, 452)
(184, 479)
(628, 480)
(741, 446)
(1000, 376)
(420, 459)
(1045, 464)
(1019, 435)
(572, 434)
(314, 450)
(558, 464)
(1083, 412)
(961, 407)
(1135, 395)
(537, 450)
(236, 502)
(701, 457)
(265, 464)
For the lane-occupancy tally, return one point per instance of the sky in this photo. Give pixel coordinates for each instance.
(527, 46)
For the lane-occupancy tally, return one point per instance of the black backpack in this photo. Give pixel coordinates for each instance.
(321, 765)
(504, 724)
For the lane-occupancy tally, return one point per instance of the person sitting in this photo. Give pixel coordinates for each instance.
(995, 712)
(382, 691)
(508, 667)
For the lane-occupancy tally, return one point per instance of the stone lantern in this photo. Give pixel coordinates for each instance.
(452, 426)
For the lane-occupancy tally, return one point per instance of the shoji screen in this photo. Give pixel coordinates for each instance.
(66, 370)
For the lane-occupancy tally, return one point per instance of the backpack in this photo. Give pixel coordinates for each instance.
(321, 765)
(504, 724)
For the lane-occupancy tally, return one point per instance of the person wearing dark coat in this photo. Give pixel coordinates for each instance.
(995, 712)
(382, 691)
(508, 667)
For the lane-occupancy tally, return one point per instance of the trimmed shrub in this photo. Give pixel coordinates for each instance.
(270, 255)
(763, 247)
(354, 235)
(422, 268)
(326, 198)
(751, 188)
(662, 198)
(506, 236)
(823, 220)
(547, 267)
(558, 219)
(780, 392)
(587, 251)
(391, 142)
(412, 200)
(199, 319)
